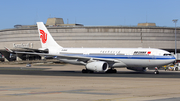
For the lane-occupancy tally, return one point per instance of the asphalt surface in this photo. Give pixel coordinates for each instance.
(62, 82)
(48, 72)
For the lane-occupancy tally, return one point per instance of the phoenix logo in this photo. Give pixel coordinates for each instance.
(43, 36)
(149, 52)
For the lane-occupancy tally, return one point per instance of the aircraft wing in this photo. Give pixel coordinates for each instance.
(28, 49)
(80, 58)
(63, 56)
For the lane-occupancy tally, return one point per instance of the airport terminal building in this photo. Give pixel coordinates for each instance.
(145, 35)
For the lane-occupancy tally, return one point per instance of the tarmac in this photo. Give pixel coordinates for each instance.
(64, 82)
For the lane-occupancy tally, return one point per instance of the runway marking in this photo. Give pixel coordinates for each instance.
(2, 86)
(149, 96)
(15, 89)
(79, 91)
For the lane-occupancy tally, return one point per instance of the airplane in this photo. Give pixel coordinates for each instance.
(102, 59)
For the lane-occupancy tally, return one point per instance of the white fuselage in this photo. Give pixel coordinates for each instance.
(127, 57)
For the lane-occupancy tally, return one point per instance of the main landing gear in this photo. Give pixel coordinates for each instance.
(108, 71)
(87, 71)
(156, 71)
(112, 70)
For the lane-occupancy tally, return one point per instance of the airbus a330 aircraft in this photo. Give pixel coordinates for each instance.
(103, 59)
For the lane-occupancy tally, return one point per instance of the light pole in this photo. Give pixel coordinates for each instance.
(175, 21)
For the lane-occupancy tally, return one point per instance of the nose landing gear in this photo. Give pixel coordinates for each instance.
(156, 71)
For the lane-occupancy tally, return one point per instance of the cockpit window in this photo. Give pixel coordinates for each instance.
(167, 54)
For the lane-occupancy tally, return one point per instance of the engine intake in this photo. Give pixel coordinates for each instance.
(97, 66)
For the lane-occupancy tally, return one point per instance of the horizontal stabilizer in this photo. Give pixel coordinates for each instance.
(8, 50)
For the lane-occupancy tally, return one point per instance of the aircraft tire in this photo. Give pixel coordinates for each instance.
(114, 71)
(84, 71)
(111, 71)
(176, 69)
(156, 72)
(87, 71)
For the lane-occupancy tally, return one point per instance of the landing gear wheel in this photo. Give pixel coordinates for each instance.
(87, 71)
(114, 71)
(156, 72)
(84, 71)
(176, 69)
(111, 71)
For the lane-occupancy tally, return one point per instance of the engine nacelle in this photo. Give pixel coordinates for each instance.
(137, 68)
(97, 66)
(53, 51)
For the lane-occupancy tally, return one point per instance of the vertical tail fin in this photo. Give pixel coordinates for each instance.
(46, 39)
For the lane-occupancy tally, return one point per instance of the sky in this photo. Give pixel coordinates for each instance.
(90, 12)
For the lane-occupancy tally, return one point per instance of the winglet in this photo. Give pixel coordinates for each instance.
(8, 50)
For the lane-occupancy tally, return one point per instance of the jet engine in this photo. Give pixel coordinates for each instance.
(53, 51)
(97, 66)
